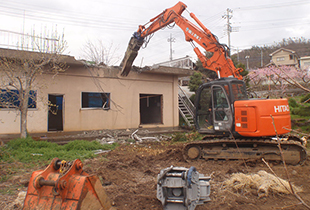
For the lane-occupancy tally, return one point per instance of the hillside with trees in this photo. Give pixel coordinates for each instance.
(259, 56)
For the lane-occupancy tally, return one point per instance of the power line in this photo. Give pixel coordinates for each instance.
(275, 5)
(33, 36)
(73, 18)
(250, 28)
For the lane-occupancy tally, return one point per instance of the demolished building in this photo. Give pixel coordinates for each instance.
(89, 97)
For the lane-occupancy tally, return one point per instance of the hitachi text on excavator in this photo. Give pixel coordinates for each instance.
(235, 126)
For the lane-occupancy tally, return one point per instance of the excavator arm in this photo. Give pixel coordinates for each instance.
(219, 62)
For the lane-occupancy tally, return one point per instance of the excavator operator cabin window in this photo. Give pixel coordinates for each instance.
(219, 98)
(239, 91)
(226, 88)
(219, 104)
(204, 116)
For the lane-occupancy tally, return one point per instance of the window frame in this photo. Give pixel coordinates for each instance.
(106, 105)
(32, 100)
(238, 91)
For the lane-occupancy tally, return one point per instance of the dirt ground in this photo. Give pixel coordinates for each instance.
(129, 176)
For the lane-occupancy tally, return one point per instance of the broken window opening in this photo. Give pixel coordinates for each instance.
(95, 100)
(151, 108)
(10, 99)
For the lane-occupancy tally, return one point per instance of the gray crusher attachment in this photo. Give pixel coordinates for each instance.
(180, 188)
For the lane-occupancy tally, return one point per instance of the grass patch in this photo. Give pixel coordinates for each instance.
(28, 150)
(190, 136)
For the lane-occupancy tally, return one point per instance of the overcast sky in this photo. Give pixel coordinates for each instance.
(256, 22)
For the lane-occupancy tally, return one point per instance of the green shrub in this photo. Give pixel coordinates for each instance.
(305, 98)
(179, 137)
(195, 136)
(192, 98)
(190, 136)
(292, 102)
(301, 111)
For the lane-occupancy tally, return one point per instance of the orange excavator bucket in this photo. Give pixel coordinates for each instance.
(64, 185)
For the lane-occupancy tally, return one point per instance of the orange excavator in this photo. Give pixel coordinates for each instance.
(236, 127)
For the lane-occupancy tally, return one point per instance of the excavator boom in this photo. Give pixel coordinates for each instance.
(219, 62)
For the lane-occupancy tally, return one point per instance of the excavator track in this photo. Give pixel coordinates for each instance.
(247, 149)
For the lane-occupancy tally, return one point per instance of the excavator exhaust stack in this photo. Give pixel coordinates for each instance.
(131, 53)
(64, 185)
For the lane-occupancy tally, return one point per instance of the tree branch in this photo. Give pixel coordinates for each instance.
(292, 191)
(294, 81)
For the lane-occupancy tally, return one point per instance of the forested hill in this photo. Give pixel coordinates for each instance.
(260, 55)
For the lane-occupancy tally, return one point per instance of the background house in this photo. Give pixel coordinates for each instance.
(285, 57)
(86, 97)
(184, 63)
(305, 62)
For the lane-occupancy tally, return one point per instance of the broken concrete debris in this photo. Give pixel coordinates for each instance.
(139, 139)
(132, 137)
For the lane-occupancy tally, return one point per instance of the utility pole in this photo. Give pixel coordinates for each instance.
(171, 39)
(247, 62)
(228, 16)
(238, 58)
(261, 58)
(23, 38)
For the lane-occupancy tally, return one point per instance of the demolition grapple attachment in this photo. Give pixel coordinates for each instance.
(131, 53)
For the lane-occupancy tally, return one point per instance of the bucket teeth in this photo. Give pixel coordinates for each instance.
(74, 189)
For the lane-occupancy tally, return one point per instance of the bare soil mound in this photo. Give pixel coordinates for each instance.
(129, 175)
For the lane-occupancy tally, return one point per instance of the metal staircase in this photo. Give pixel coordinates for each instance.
(186, 108)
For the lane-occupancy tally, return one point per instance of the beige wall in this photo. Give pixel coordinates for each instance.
(305, 62)
(124, 112)
(283, 58)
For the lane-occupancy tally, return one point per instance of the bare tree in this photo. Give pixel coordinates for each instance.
(19, 70)
(99, 53)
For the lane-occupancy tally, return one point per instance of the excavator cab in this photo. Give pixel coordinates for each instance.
(215, 105)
